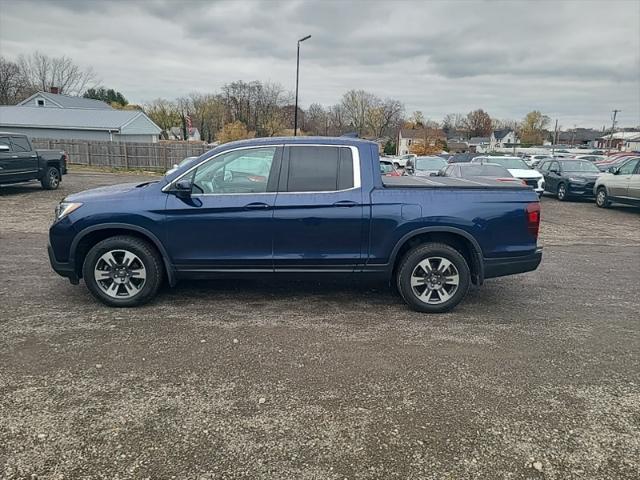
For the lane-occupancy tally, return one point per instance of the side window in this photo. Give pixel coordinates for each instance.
(5, 141)
(20, 144)
(450, 171)
(544, 166)
(628, 168)
(554, 166)
(319, 169)
(240, 171)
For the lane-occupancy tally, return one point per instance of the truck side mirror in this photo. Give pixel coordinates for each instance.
(183, 187)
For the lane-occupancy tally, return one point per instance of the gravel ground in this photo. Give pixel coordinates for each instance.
(533, 376)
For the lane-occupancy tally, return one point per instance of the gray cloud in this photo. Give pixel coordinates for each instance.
(566, 58)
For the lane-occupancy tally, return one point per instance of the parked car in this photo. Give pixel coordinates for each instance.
(20, 162)
(388, 169)
(401, 160)
(322, 208)
(462, 157)
(620, 185)
(182, 162)
(425, 166)
(477, 171)
(534, 160)
(568, 178)
(518, 168)
(614, 161)
(591, 157)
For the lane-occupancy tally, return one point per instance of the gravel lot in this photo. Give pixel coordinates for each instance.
(533, 376)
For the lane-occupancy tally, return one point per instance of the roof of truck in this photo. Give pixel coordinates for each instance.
(297, 140)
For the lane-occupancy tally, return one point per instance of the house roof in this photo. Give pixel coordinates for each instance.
(478, 140)
(620, 136)
(67, 101)
(421, 132)
(503, 132)
(71, 118)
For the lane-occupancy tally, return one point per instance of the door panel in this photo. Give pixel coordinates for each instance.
(619, 185)
(227, 221)
(318, 230)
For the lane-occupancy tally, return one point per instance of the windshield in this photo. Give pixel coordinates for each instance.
(579, 166)
(507, 162)
(386, 167)
(474, 170)
(429, 163)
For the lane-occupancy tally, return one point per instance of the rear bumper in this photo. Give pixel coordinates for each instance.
(64, 269)
(499, 267)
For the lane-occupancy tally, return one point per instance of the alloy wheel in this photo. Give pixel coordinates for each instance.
(562, 192)
(601, 198)
(54, 178)
(435, 280)
(120, 273)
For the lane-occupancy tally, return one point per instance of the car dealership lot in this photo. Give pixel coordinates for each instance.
(533, 376)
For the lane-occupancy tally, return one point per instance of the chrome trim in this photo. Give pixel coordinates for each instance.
(355, 155)
(166, 188)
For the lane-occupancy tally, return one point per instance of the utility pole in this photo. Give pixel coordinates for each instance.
(613, 126)
(555, 139)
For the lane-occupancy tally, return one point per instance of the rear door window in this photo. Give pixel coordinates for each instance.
(20, 144)
(628, 168)
(319, 169)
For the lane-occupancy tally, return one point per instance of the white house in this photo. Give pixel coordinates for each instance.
(503, 138)
(632, 144)
(62, 117)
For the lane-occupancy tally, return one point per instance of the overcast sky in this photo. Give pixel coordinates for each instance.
(574, 61)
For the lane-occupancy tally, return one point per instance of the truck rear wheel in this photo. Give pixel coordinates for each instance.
(51, 178)
(433, 278)
(123, 271)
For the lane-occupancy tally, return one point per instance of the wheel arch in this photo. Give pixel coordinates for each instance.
(90, 236)
(457, 238)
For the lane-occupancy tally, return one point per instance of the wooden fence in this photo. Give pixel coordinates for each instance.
(146, 156)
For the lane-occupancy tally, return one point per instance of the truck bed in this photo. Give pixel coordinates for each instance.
(408, 181)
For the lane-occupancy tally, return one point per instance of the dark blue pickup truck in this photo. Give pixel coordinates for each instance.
(301, 206)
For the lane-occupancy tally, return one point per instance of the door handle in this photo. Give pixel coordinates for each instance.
(14, 156)
(257, 206)
(345, 203)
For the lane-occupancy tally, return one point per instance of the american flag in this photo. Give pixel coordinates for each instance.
(189, 124)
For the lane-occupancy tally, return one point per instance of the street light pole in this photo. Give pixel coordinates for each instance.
(295, 112)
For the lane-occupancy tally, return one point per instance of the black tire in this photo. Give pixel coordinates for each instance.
(51, 179)
(562, 192)
(602, 198)
(145, 253)
(411, 262)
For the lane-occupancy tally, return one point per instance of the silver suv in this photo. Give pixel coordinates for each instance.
(621, 185)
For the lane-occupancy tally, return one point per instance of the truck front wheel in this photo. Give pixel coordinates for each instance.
(123, 271)
(433, 278)
(51, 178)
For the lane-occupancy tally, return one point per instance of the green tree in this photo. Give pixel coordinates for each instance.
(109, 96)
(390, 148)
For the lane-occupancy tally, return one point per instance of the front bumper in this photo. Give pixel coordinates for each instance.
(65, 269)
(499, 267)
(581, 189)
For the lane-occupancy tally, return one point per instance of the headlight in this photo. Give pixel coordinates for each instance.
(65, 208)
(577, 180)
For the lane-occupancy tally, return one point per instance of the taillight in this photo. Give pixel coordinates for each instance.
(533, 219)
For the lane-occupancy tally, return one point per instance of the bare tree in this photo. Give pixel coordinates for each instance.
(356, 105)
(42, 72)
(384, 116)
(13, 87)
(479, 123)
(164, 113)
